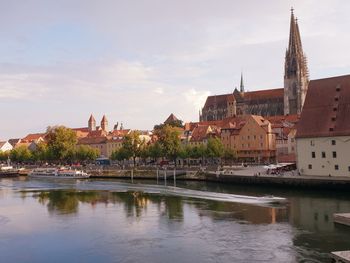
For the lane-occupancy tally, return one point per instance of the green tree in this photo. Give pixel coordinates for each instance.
(4, 155)
(155, 151)
(121, 154)
(21, 154)
(86, 153)
(61, 142)
(41, 152)
(169, 139)
(215, 148)
(133, 144)
(229, 154)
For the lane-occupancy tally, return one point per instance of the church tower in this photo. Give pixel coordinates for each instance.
(296, 74)
(92, 123)
(104, 123)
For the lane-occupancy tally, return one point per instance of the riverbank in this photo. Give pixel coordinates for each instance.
(288, 180)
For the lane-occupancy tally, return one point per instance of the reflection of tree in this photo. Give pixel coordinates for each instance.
(174, 207)
(59, 201)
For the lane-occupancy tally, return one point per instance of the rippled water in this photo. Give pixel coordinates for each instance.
(114, 221)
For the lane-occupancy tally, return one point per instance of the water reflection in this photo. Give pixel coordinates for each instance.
(63, 202)
(150, 227)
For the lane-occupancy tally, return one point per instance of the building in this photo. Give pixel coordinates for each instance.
(323, 132)
(251, 137)
(271, 102)
(5, 146)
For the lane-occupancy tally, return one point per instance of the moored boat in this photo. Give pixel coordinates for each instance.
(58, 173)
(8, 171)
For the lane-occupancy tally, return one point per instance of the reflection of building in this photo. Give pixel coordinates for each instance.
(267, 102)
(323, 132)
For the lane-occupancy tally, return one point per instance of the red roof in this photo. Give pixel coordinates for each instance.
(33, 136)
(326, 110)
(264, 94)
(171, 119)
(218, 100)
(92, 140)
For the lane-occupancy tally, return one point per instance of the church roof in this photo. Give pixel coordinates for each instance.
(326, 110)
(104, 119)
(218, 100)
(264, 94)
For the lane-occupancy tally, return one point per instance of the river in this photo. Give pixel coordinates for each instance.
(115, 221)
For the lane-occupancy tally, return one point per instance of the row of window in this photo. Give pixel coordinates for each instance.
(323, 154)
(333, 142)
(336, 167)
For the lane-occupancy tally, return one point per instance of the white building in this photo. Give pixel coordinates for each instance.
(5, 146)
(323, 132)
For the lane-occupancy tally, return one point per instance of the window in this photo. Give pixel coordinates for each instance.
(323, 154)
(349, 168)
(336, 167)
(310, 166)
(333, 142)
(334, 154)
(254, 137)
(248, 137)
(313, 155)
(312, 143)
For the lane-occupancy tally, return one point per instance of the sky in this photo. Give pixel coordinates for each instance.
(137, 61)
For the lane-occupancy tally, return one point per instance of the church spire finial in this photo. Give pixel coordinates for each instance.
(241, 84)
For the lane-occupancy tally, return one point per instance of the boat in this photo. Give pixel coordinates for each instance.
(8, 170)
(58, 173)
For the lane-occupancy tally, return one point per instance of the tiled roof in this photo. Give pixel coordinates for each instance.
(171, 119)
(83, 129)
(13, 142)
(33, 136)
(264, 94)
(97, 133)
(2, 143)
(218, 100)
(120, 132)
(92, 140)
(293, 118)
(326, 110)
(200, 133)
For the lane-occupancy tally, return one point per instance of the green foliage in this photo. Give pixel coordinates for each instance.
(177, 123)
(230, 154)
(215, 148)
(61, 142)
(21, 154)
(4, 155)
(155, 151)
(121, 154)
(133, 145)
(85, 153)
(169, 139)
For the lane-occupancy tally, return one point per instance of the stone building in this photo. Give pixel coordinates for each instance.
(270, 102)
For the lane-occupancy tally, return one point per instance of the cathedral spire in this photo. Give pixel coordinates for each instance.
(295, 71)
(242, 84)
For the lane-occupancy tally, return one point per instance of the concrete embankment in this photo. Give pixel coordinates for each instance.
(298, 182)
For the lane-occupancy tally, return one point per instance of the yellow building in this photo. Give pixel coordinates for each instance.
(251, 137)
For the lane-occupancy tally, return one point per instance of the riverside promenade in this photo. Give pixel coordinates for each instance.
(255, 175)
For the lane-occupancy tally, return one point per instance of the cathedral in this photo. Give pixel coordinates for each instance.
(271, 102)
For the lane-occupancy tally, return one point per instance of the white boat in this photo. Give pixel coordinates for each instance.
(8, 171)
(58, 173)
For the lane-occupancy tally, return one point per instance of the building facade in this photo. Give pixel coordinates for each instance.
(323, 132)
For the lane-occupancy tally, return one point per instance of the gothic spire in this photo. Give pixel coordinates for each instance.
(242, 84)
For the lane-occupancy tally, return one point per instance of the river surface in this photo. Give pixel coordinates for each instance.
(116, 221)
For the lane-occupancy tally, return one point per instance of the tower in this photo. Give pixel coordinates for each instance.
(296, 74)
(92, 123)
(104, 123)
(242, 84)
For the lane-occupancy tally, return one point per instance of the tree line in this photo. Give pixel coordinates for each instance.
(60, 146)
(168, 145)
